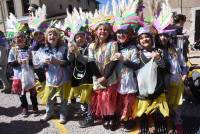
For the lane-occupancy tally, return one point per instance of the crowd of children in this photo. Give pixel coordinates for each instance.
(122, 66)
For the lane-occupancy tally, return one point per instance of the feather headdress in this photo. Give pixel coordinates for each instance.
(100, 16)
(161, 16)
(13, 26)
(77, 22)
(37, 20)
(125, 14)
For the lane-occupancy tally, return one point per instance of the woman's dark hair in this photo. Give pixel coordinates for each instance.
(178, 18)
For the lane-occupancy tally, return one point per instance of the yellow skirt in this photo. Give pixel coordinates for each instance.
(51, 92)
(84, 91)
(175, 94)
(150, 106)
(40, 88)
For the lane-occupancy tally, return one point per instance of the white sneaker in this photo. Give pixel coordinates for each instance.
(46, 117)
(62, 121)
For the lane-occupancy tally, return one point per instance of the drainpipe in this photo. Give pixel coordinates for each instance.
(181, 7)
(2, 15)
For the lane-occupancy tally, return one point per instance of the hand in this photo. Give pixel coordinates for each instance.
(156, 55)
(101, 80)
(47, 61)
(72, 48)
(184, 78)
(24, 61)
(118, 56)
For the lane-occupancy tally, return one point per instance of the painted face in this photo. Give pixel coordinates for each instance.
(52, 38)
(163, 39)
(122, 36)
(102, 32)
(145, 40)
(20, 41)
(80, 39)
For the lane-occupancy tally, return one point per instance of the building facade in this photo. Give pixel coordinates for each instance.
(55, 8)
(190, 8)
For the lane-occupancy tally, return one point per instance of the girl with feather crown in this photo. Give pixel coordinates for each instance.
(20, 60)
(150, 100)
(81, 81)
(103, 66)
(35, 22)
(177, 68)
(126, 22)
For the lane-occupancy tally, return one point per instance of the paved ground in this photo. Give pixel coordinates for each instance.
(11, 121)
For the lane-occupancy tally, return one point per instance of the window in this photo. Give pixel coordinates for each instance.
(60, 7)
(70, 8)
(10, 6)
(25, 5)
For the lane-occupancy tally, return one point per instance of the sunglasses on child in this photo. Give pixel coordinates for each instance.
(122, 32)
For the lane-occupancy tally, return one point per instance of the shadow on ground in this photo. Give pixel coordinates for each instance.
(14, 111)
(22, 127)
(10, 112)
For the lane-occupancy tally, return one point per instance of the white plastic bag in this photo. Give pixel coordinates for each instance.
(147, 78)
(36, 59)
(96, 84)
(28, 78)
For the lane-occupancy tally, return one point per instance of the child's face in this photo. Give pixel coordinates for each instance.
(20, 41)
(102, 32)
(80, 39)
(163, 39)
(52, 38)
(39, 36)
(145, 40)
(122, 36)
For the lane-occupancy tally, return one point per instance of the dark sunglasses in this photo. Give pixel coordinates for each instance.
(122, 32)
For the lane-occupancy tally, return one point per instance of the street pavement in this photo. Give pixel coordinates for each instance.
(11, 121)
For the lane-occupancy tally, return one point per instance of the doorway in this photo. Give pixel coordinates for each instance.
(197, 25)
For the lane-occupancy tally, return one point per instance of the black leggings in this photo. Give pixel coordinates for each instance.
(33, 97)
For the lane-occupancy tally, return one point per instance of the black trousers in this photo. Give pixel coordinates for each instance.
(33, 97)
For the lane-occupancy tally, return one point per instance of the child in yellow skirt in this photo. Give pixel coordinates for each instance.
(174, 80)
(81, 77)
(147, 105)
(57, 74)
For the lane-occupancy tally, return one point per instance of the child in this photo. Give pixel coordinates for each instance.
(104, 96)
(3, 63)
(128, 83)
(37, 43)
(16, 60)
(57, 78)
(174, 79)
(150, 103)
(82, 78)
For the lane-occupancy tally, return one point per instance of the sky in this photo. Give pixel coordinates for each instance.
(103, 2)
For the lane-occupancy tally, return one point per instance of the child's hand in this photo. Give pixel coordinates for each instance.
(47, 61)
(118, 56)
(156, 55)
(101, 80)
(184, 77)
